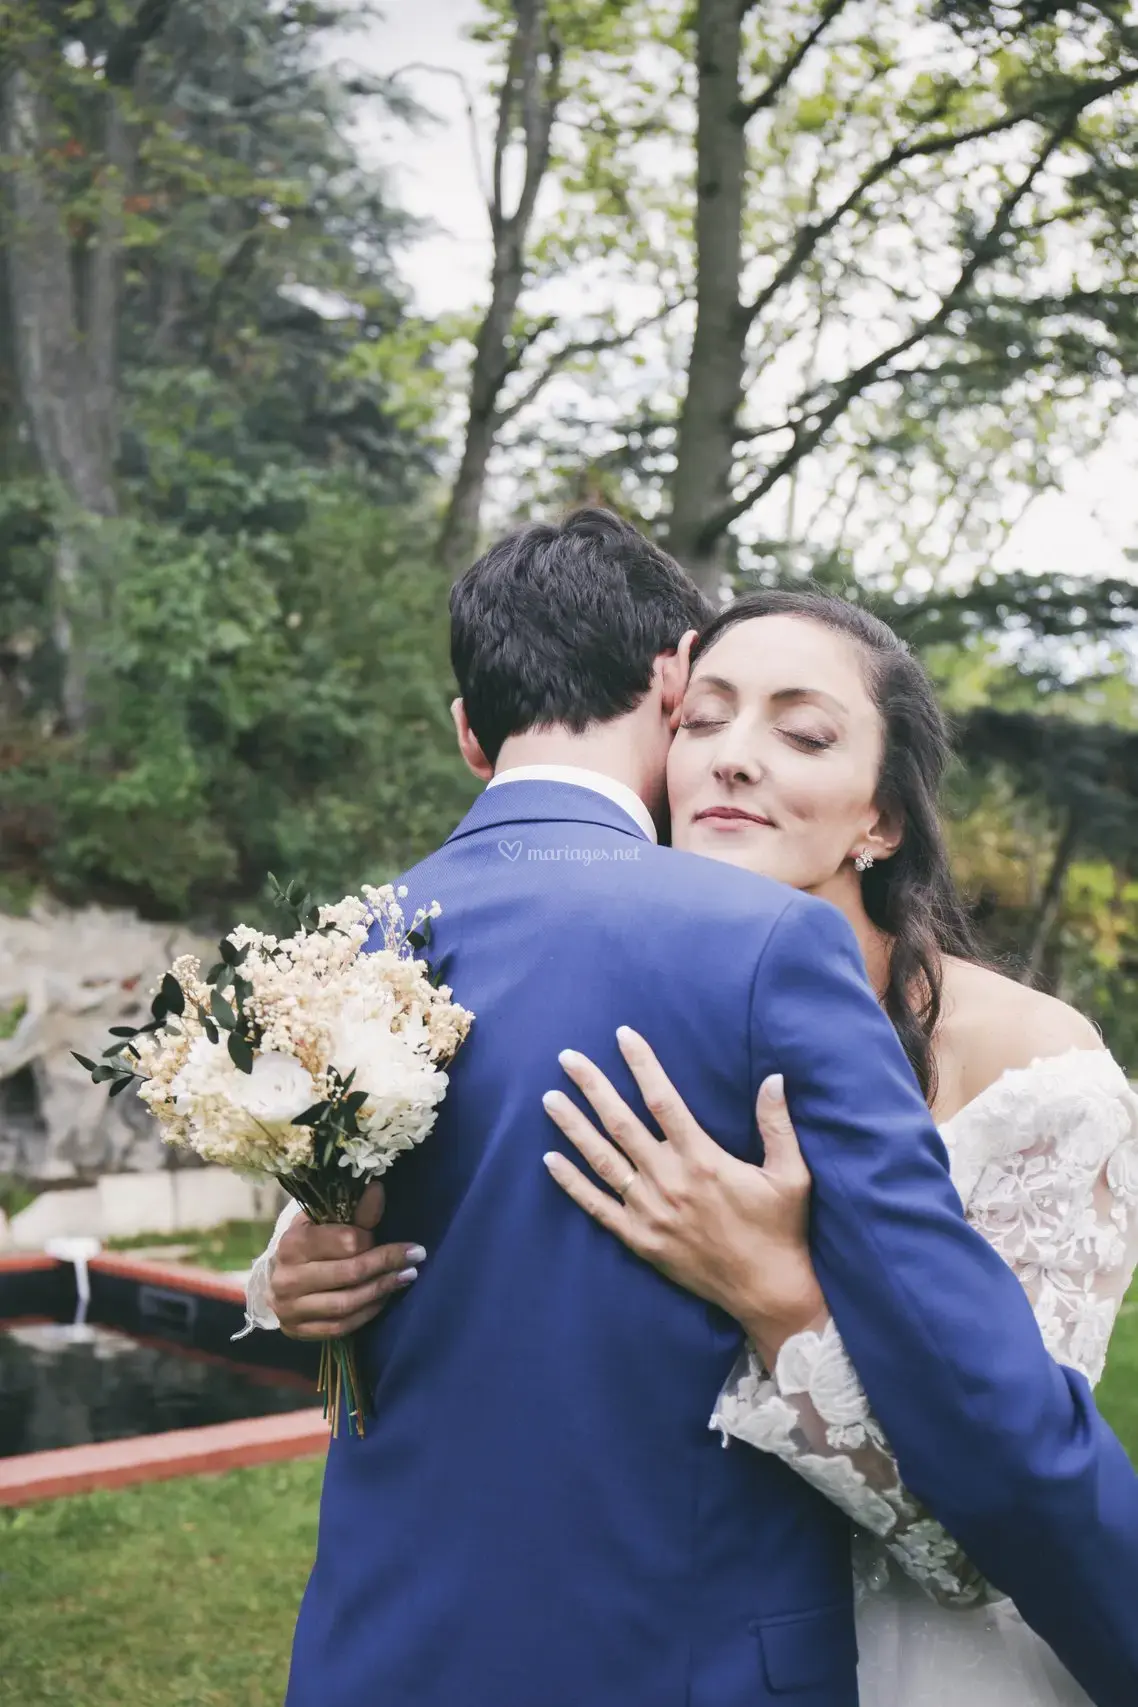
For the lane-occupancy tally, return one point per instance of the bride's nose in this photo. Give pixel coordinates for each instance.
(736, 758)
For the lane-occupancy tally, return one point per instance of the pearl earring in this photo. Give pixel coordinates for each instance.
(863, 861)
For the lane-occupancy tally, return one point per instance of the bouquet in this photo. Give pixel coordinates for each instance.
(302, 1058)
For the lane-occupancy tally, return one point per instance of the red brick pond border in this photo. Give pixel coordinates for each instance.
(157, 1457)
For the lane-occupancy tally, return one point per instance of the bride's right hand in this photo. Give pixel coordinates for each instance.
(730, 1231)
(327, 1281)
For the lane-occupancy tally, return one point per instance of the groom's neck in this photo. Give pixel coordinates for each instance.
(614, 749)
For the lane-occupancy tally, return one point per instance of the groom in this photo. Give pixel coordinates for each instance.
(539, 1515)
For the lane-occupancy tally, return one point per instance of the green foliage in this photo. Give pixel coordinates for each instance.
(266, 700)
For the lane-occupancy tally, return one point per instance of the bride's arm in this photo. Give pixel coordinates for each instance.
(1058, 1201)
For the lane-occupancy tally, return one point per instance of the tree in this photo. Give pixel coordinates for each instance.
(66, 124)
(527, 105)
(264, 664)
(906, 235)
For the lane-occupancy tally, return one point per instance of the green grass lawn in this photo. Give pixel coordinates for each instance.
(180, 1594)
(184, 1594)
(234, 1245)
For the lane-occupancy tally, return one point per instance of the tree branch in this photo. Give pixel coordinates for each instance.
(471, 115)
(768, 95)
(558, 359)
(812, 234)
(809, 433)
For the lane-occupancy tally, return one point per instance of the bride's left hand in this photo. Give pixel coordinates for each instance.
(732, 1232)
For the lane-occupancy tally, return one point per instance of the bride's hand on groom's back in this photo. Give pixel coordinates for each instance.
(328, 1281)
(728, 1230)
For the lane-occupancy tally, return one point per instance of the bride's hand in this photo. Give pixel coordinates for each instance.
(729, 1231)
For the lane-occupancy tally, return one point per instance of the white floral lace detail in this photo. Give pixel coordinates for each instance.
(259, 1312)
(1046, 1164)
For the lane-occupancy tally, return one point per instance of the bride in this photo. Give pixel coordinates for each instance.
(835, 792)
(833, 789)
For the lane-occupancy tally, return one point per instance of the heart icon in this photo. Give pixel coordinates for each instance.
(510, 849)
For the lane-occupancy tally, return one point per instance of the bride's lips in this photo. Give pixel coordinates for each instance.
(724, 816)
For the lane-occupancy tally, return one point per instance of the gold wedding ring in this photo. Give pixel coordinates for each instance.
(623, 1190)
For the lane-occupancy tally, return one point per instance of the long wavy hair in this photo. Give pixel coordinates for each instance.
(911, 896)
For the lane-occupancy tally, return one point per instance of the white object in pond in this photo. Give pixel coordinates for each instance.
(78, 1252)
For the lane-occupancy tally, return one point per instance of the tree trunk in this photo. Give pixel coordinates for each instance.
(64, 361)
(458, 541)
(705, 448)
(1051, 900)
(530, 93)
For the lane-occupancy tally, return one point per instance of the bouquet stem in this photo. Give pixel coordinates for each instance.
(334, 1198)
(340, 1387)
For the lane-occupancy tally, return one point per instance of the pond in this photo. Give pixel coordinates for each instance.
(147, 1360)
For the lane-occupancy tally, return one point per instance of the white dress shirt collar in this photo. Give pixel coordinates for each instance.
(618, 792)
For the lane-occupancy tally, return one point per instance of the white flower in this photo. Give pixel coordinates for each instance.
(207, 1072)
(276, 1091)
(362, 1046)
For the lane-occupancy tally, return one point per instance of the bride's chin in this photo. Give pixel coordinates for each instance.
(728, 852)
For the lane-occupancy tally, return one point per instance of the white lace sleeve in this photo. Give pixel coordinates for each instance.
(1046, 1162)
(259, 1312)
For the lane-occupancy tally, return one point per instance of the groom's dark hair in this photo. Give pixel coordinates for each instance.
(562, 624)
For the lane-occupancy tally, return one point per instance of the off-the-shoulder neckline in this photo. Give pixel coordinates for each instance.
(1039, 1061)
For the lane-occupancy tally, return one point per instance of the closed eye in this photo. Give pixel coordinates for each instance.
(702, 723)
(811, 742)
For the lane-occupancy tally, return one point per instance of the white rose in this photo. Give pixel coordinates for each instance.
(363, 1047)
(276, 1091)
(206, 1072)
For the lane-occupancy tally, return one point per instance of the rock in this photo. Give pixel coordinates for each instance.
(65, 979)
(121, 1206)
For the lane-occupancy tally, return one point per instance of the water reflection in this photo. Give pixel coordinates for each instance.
(67, 1386)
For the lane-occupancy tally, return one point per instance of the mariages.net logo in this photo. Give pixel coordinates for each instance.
(576, 855)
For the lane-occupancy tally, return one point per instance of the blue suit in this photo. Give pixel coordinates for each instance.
(539, 1515)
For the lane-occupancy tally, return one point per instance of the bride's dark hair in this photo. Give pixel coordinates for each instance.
(911, 896)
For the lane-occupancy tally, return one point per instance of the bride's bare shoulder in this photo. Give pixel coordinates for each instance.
(991, 1024)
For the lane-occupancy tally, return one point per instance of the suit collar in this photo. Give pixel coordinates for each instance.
(540, 801)
(580, 777)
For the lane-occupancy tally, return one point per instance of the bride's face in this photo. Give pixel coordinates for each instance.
(776, 760)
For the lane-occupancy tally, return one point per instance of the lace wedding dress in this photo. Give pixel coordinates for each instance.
(1046, 1164)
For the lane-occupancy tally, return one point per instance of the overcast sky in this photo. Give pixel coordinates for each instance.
(1085, 529)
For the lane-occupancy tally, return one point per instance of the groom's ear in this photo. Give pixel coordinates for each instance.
(675, 668)
(468, 746)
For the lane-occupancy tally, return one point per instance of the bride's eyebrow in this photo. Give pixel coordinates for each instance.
(717, 684)
(786, 695)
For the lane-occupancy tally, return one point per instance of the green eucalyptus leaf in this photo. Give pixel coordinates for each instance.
(84, 1062)
(222, 1012)
(173, 996)
(312, 1116)
(117, 1090)
(240, 1052)
(210, 1029)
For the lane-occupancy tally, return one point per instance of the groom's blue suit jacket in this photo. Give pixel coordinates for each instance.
(539, 1515)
